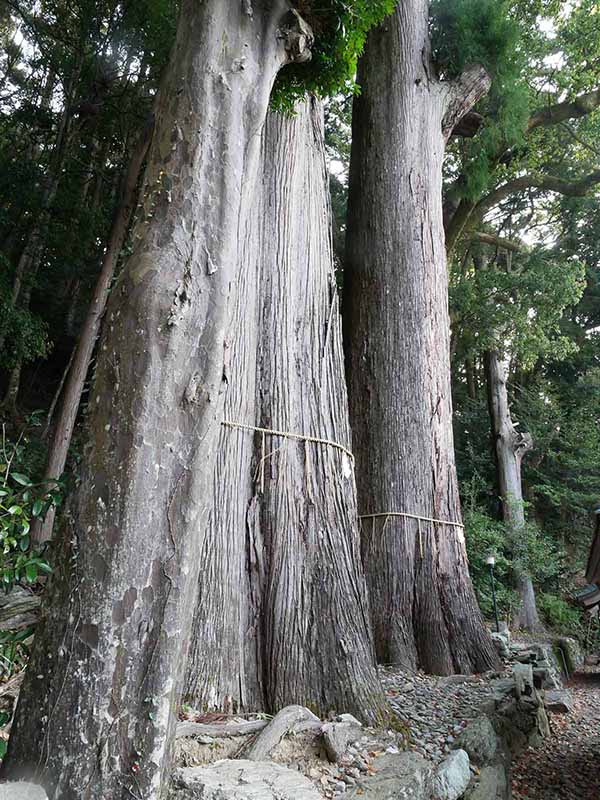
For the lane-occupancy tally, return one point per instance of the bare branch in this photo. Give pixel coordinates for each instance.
(579, 139)
(559, 112)
(497, 241)
(544, 183)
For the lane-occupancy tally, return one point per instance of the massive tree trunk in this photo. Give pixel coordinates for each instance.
(510, 446)
(97, 710)
(282, 615)
(397, 331)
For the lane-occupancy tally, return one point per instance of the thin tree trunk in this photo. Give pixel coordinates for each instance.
(57, 394)
(10, 399)
(97, 711)
(65, 424)
(32, 251)
(471, 377)
(283, 545)
(510, 447)
(397, 332)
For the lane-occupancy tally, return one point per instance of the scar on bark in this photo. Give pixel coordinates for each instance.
(297, 36)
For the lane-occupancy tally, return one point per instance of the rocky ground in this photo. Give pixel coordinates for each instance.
(431, 713)
(435, 709)
(567, 766)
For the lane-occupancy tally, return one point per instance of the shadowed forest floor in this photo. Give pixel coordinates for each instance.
(567, 767)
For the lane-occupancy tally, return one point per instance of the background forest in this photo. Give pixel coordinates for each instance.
(78, 82)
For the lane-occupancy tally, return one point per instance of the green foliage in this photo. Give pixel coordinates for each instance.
(14, 652)
(484, 536)
(483, 32)
(517, 304)
(558, 615)
(340, 28)
(534, 552)
(467, 32)
(21, 501)
(26, 334)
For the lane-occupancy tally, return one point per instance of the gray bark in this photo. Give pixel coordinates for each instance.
(96, 716)
(397, 333)
(510, 446)
(282, 616)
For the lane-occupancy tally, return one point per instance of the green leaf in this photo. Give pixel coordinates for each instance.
(31, 572)
(37, 508)
(3, 747)
(24, 543)
(15, 510)
(20, 478)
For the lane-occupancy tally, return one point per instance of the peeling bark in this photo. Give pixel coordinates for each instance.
(282, 616)
(397, 332)
(96, 715)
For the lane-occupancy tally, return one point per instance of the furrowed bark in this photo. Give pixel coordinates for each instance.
(298, 630)
(510, 446)
(96, 715)
(322, 657)
(397, 333)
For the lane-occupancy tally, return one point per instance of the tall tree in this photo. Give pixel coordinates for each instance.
(508, 301)
(282, 549)
(396, 315)
(108, 661)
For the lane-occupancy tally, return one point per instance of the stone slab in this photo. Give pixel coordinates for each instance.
(241, 779)
(22, 791)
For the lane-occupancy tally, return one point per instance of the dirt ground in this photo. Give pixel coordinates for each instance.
(567, 767)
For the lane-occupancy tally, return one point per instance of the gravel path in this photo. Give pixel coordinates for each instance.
(567, 767)
(435, 709)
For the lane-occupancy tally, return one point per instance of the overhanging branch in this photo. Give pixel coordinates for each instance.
(559, 112)
(543, 183)
(497, 241)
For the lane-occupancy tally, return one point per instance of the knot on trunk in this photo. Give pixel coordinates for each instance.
(297, 36)
(523, 443)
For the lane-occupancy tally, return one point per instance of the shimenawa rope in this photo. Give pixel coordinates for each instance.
(301, 437)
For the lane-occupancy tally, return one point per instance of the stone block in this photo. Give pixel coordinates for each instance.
(338, 735)
(560, 701)
(479, 741)
(407, 776)
(452, 776)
